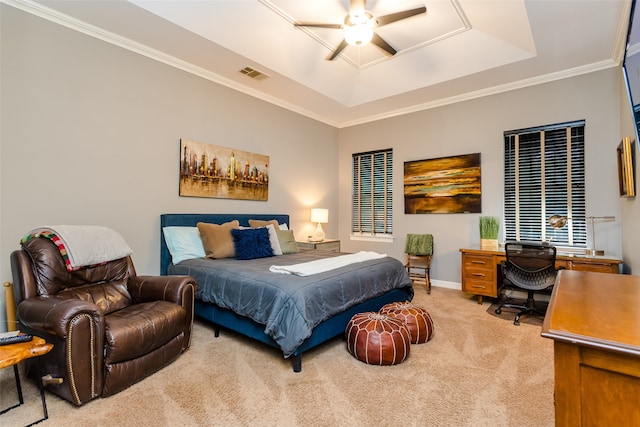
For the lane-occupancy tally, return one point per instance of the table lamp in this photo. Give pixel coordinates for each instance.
(321, 216)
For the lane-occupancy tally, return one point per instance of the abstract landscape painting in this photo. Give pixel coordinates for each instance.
(443, 185)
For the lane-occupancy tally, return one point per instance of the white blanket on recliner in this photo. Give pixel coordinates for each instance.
(88, 244)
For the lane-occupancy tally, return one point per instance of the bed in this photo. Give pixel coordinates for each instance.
(289, 312)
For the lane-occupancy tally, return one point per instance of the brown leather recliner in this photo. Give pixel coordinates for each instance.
(109, 327)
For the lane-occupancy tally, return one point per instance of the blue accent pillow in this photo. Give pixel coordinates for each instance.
(252, 243)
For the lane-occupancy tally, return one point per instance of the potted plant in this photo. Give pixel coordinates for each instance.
(489, 227)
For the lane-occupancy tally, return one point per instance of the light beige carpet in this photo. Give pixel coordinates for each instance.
(478, 370)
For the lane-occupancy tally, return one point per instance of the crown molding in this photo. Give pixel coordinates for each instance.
(520, 84)
(51, 15)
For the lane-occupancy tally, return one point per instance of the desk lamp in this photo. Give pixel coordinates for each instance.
(593, 219)
(557, 222)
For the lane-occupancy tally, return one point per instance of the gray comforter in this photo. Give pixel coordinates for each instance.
(290, 306)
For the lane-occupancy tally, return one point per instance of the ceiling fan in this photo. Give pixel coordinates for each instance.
(359, 27)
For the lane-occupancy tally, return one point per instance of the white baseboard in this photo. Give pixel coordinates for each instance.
(445, 284)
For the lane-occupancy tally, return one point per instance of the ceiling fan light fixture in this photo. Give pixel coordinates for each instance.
(359, 24)
(358, 34)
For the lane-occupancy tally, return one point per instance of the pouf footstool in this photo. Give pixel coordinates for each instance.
(378, 339)
(418, 320)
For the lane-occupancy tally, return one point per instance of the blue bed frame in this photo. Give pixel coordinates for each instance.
(218, 316)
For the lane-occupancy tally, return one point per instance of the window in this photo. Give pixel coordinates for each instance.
(544, 176)
(372, 191)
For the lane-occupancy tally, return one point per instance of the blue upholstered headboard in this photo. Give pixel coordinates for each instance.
(190, 220)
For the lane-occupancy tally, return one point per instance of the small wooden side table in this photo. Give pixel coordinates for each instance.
(12, 354)
(330, 245)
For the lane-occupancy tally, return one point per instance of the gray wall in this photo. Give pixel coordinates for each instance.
(630, 208)
(478, 126)
(90, 135)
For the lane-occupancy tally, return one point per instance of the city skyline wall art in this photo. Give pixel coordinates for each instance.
(208, 170)
(443, 185)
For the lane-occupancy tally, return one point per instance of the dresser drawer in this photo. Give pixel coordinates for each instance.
(329, 246)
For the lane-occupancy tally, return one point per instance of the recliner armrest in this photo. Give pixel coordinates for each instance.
(168, 288)
(53, 315)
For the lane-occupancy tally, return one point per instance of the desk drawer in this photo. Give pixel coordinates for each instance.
(479, 264)
(478, 275)
(479, 287)
(594, 266)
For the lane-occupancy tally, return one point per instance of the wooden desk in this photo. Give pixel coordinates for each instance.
(481, 274)
(594, 321)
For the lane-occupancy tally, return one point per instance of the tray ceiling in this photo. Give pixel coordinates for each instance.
(458, 49)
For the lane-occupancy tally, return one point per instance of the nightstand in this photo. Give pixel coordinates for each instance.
(331, 245)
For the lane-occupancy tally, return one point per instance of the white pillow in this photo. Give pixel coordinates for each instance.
(183, 243)
(283, 226)
(273, 239)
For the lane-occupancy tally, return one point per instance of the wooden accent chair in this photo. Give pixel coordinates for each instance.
(419, 250)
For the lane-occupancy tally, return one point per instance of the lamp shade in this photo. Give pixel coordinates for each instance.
(321, 216)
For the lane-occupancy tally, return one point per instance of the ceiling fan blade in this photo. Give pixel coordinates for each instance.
(379, 41)
(315, 24)
(337, 51)
(393, 17)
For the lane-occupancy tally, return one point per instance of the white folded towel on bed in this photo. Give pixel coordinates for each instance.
(327, 264)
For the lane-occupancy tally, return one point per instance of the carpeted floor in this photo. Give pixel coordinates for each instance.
(478, 370)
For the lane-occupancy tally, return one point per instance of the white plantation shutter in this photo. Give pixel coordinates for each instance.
(372, 191)
(544, 176)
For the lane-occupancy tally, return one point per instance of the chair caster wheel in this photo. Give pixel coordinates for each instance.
(498, 311)
(516, 322)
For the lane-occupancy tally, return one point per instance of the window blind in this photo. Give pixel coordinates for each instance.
(372, 193)
(544, 175)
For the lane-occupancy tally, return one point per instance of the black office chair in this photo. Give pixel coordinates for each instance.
(530, 266)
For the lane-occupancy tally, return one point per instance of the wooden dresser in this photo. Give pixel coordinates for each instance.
(594, 320)
(481, 274)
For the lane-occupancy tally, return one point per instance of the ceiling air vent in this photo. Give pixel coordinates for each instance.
(253, 73)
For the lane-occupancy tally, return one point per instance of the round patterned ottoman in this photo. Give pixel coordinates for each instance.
(418, 321)
(378, 339)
